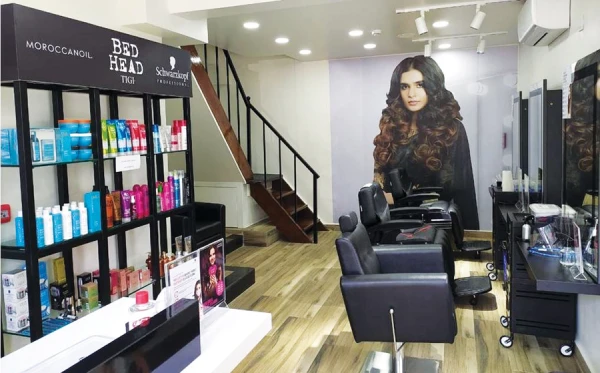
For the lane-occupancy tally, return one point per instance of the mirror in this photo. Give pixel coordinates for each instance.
(516, 127)
(535, 138)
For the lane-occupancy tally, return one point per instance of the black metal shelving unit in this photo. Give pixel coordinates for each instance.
(154, 170)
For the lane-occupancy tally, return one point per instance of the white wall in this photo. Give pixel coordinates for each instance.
(537, 63)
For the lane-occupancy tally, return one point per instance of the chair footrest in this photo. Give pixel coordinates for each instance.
(469, 286)
(471, 246)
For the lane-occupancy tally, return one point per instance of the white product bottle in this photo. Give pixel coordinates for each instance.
(182, 191)
(67, 222)
(183, 131)
(48, 228)
(83, 218)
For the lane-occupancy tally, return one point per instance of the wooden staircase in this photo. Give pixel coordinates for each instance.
(292, 217)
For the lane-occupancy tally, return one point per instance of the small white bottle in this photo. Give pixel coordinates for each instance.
(48, 228)
(67, 222)
(83, 218)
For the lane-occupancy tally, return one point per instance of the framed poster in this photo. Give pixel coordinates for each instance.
(212, 271)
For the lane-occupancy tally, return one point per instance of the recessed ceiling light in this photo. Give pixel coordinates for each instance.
(440, 24)
(370, 46)
(444, 46)
(282, 40)
(305, 52)
(355, 33)
(251, 25)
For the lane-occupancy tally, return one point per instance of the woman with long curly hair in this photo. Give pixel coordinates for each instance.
(581, 147)
(421, 132)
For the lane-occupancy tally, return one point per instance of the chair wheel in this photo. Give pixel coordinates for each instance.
(473, 300)
(504, 321)
(490, 267)
(566, 350)
(506, 341)
(492, 276)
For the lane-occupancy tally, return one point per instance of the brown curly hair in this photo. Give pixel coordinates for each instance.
(437, 122)
(579, 131)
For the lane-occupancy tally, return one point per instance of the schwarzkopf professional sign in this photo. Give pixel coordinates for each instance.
(46, 48)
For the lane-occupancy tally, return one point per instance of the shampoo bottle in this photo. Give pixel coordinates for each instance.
(134, 207)
(183, 130)
(67, 222)
(83, 218)
(145, 200)
(166, 196)
(48, 233)
(182, 188)
(176, 192)
(57, 224)
(75, 215)
(20, 229)
(39, 227)
(171, 182)
(35, 148)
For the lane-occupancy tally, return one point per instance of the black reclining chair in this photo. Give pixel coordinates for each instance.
(392, 294)
(405, 195)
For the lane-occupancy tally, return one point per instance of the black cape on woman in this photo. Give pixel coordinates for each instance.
(455, 175)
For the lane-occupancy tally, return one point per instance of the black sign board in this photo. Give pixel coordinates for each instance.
(45, 48)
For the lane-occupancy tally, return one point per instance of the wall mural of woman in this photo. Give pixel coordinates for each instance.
(421, 132)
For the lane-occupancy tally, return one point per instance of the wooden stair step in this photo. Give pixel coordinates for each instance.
(260, 178)
(284, 193)
(306, 223)
(290, 209)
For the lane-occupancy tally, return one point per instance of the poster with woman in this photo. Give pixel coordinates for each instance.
(212, 275)
(421, 133)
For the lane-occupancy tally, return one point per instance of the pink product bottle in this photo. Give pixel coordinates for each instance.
(139, 203)
(166, 197)
(174, 136)
(146, 200)
(171, 195)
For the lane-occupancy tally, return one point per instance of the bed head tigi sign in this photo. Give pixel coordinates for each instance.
(51, 49)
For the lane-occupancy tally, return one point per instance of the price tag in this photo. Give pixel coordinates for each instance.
(127, 162)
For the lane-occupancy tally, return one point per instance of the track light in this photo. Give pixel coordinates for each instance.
(478, 19)
(427, 52)
(481, 46)
(421, 25)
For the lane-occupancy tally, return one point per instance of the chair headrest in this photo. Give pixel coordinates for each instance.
(396, 186)
(348, 222)
(374, 208)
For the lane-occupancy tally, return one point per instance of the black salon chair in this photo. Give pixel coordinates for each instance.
(393, 294)
(458, 232)
(405, 195)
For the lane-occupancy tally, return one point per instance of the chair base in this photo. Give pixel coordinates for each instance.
(382, 362)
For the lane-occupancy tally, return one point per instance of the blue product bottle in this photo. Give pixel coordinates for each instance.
(76, 216)
(156, 138)
(20, 229)
(57, 224)
(35, 148)
(177, 192)
(39, 228)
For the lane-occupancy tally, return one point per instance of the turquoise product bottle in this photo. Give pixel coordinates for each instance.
(35, 148)
(20, 229)
(57, 227)
(92, 204)
(39, 228)
(76, 217)
(176, 192)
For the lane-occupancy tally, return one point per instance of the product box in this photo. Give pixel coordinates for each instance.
(16, 323)
(16, 308)
(63, 145)
(92, 204)
(133, 280)
(47, 141)
(60, 275)
(45, 302)
(43, 275)
(83, 278)
(114, 281)
(15, 294)
(58, 292)
(144, 276)
(10, 149)
(89, 290)
(123, 280)
(16, 278)
(89, 303)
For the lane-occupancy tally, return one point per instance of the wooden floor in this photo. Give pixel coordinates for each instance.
(299, 285)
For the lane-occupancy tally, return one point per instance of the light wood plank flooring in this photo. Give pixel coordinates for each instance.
(299, 285)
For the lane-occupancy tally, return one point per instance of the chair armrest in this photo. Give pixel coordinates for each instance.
(407, 212)
(396, 225)
(416, 199)
(430, 189)
(410, 259)
(423, 307)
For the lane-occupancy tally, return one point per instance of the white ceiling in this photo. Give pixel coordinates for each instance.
(323, 25)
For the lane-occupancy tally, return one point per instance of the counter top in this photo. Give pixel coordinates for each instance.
(550, 275)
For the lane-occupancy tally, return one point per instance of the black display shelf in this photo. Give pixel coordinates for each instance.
(11, 246)
(46, 324)
(124, 227)
(125, 155)
(47, 164)
(173, 152)
(176, 211)
(550, 275)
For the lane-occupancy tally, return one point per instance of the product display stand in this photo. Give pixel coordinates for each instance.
(93, 77)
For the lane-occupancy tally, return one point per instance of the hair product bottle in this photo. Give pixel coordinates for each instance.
(133, 204)
(176, 192)
(39, 227)
(57, 224)
(48, 233)
(20, 229)
(75, 215)
(83, 218)
(110, 209)
(67, 222)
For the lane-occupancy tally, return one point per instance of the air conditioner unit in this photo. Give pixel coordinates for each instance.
(542, 21)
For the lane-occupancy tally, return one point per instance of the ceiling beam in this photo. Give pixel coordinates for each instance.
(461, 36)
(451, 5)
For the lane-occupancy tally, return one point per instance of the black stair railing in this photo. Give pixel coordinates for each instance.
(251, 111)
